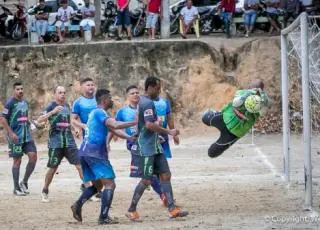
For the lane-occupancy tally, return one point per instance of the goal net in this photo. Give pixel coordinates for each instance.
(300, 77)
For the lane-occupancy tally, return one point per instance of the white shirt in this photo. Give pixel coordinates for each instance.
(87, 10)
(189, 14)
(65, 14)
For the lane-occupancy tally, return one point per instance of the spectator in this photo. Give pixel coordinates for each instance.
(153, 12)
(273, 14)
(123, 18)
(250, 15)
(227, 7)
(88, 12)
(42, 14)
(188, 15)
(291, 10)
(65, 14)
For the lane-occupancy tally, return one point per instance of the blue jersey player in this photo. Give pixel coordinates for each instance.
(97, 170)
(84, 104)
(15, 121)
(148, 158)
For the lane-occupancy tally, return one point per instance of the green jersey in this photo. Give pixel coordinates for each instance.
(235, 124)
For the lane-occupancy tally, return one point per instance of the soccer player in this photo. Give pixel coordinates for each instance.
(61, 142)
(15, 121)
(84, 104)
(234, 121)
(81, 109)
(147, 154)
(94, 160)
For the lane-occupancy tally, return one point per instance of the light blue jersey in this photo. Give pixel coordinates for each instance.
(83, 106)
(94, 143)
(127, 114)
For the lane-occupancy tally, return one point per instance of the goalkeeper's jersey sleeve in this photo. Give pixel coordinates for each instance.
(237, 126)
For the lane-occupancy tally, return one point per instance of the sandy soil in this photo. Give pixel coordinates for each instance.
(239, 190)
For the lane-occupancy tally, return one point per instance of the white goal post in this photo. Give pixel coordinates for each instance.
(303, 36)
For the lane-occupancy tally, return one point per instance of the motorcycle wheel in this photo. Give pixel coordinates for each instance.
(205, 26)
(17, 33)
(174, 27)
(106, 28)
(138, 30)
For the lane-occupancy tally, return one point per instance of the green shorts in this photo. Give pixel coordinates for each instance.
(57, 154)
(17, 150)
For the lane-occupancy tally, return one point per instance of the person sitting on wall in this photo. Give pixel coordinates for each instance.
(273, 14)
(291, 9)
(188, 16)
(88, 12)
(41, 14)
(65, 14)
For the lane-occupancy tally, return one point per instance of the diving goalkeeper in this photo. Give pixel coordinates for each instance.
(237, 117)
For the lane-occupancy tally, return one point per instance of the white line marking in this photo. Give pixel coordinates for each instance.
(268, 163)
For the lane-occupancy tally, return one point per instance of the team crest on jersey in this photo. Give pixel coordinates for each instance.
(134, 147)
(5, 111)
(148, 112)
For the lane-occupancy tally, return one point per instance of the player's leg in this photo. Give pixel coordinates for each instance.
(141, 167)
(15, 175)
(87, 166)
(162, 168)
(55, 156)
(106, 200)
(224, 142)
(71, 155)
(30, 149)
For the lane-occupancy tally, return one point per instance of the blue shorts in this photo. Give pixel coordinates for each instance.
(123, 18)
(250, 18)
(166, 149)
(95, 169)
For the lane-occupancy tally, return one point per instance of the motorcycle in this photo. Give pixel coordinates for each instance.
(5, 17)
(17, 27)
(109, 26)
(138, 19)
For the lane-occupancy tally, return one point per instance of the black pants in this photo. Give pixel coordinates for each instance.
(226, 138)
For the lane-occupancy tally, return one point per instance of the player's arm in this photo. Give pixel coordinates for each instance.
(113, 124)
(76, 123)
(171, 124)
(48, 113)
(120, 133)
(4, 116)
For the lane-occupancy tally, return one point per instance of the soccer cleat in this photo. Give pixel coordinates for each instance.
(133, 216)
(18, 192)
(177, 212)
(45, 197)
(108, 220)
(24, 187)
(76, 211)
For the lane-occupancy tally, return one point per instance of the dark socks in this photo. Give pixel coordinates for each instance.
(136, 196)
(87, 193)
(29, 169)
(167, 190)
(156, 185)
(106, 201)
(15, 175)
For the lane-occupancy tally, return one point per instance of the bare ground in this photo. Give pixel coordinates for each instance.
(239, 190)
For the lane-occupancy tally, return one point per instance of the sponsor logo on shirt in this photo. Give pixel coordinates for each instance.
(148, 112)
(22, 119)
(5, 111)
(63, 125)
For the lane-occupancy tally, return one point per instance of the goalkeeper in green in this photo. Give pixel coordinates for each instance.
(234, 120)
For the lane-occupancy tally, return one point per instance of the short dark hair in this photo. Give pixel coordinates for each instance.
(85, 80)
(100, 94)
(41, 0)
(19, 83)
(130, 88)
(151, 81)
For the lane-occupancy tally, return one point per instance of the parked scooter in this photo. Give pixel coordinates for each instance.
(138, 19)
(5, 17)
(109, 26)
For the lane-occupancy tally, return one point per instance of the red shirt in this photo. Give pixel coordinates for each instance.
(121, 3)
(228, 5)
(154, 6)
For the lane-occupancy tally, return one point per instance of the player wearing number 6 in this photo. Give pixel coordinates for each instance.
(237, 117)
(148, 157)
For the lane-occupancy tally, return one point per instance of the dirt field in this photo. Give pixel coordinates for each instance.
(242, 189)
